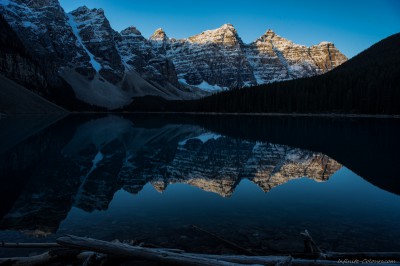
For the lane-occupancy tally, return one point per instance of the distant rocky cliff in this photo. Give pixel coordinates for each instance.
(18, 64)
(107, 68)
(218, 59)
(15, 62)
(275, 58)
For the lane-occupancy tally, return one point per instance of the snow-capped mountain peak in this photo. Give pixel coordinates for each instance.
(226, 34)
(276, 40)
(159, 35)
(227, 27)
(325, 43)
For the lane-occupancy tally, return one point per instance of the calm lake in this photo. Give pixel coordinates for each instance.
(171, 180)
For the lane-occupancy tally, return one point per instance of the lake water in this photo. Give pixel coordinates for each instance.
(166, 179)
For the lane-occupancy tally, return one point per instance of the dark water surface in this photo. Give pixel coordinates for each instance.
(256, 181)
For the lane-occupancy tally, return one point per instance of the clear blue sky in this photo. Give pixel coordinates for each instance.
(352, 25)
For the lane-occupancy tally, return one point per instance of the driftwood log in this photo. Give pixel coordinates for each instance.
(87, 250)
(165, 256)
(122, 250)
(84, 257)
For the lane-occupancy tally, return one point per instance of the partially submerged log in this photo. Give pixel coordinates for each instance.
(122, 250)
(165, 256)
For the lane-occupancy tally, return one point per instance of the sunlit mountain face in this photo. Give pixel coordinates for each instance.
(106, 68)
(158, 174)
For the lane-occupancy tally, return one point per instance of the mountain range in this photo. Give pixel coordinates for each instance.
(80, 52)
(366, 84)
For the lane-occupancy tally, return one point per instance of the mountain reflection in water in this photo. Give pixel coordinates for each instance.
(85, 163)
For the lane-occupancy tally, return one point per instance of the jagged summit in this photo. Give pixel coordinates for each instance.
(270, 35)
(84, 10)
(81, 9)
(267, 36)
(132, 30)
(40, 3)
(226, 34)
(159, 35)
(325, 43)
(269, 32)
(227, 26)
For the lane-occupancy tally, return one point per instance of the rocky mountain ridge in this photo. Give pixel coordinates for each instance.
(108, 68)
(218, 58)
(82, 49)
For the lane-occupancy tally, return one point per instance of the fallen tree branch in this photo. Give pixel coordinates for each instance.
(309, 243)
(127, 251)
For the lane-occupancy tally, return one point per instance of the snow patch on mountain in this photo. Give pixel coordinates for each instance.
(22, 15)
(205, 86)
(203, 138)
(96, 65)
(12, 3)
(211, 88)
(325, 43)
(99, 156)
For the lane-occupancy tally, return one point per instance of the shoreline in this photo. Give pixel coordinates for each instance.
(278, 114)
(329, 115)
